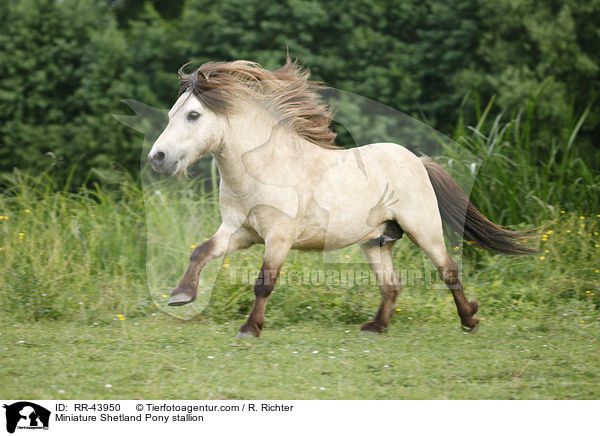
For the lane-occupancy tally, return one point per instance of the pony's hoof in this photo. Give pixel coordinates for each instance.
(368, 332)
(180, 296)
(246, 334)
(371, 327)
(249, 330)
(472, 328)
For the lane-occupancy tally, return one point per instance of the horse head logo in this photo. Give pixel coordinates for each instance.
(26, 414)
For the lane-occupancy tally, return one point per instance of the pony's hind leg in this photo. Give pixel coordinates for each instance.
(380, 261)
(433, 244)
(466, 309)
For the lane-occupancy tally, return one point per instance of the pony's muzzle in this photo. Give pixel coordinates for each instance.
(159, 161)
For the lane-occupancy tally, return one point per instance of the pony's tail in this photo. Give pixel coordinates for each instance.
(465, 219)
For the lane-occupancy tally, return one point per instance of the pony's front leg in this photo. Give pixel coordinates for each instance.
(223, 242)
(276, 250)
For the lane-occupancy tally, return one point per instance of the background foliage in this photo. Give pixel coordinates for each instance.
(65, 66)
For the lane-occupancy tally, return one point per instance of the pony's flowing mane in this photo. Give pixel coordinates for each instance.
(285, 93)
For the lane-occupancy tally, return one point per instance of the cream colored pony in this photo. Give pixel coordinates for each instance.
(284, 184)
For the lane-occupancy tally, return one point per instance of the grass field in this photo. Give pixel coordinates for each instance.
(554, 356)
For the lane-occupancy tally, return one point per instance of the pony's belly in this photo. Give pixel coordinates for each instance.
(332, 238)
(330, 223)
(340, 237)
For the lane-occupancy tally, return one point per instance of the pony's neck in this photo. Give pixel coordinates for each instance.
(252, 140)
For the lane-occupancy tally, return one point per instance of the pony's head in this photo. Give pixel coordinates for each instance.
(192, 132)
(199, 120)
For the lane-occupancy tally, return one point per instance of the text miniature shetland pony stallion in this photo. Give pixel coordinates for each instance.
(284, 184)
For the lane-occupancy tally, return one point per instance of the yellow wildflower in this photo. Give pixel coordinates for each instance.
(542, 258)
(27, 211)
(192, 246)
(562, 211)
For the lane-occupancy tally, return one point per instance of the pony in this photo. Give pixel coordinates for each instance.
(284, 184)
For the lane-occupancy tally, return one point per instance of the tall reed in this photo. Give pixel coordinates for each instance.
(522, 178)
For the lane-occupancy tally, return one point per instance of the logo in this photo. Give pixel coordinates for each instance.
(26, 415)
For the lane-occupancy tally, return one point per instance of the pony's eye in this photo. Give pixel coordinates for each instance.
(192, 116)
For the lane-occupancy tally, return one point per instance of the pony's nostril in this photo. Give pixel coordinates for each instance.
(159, 156)
(157, 159)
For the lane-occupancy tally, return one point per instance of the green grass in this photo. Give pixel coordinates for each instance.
(77, 314)
(550, 357)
